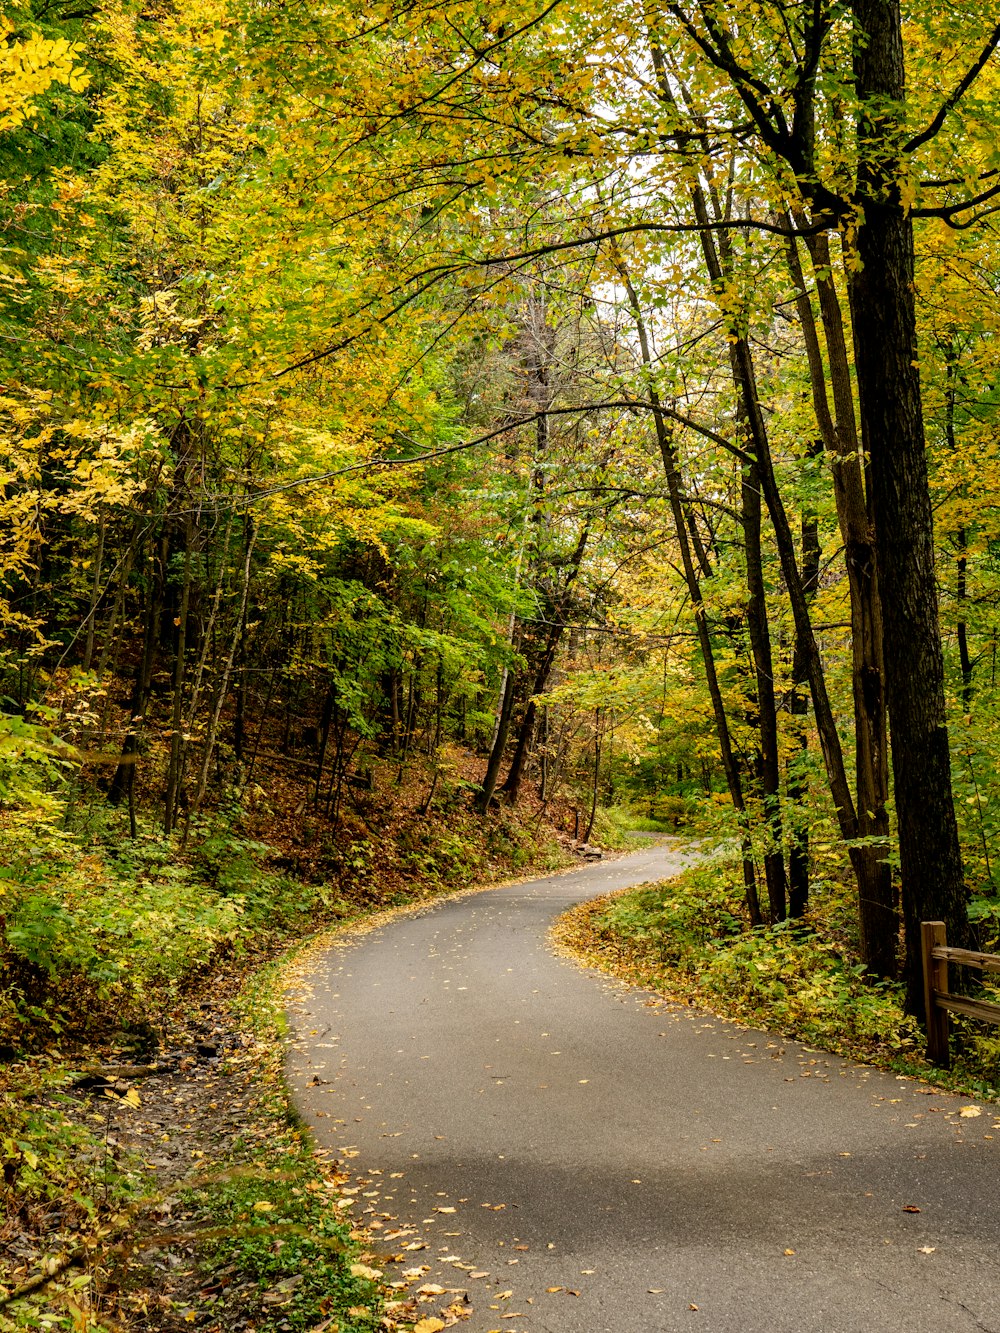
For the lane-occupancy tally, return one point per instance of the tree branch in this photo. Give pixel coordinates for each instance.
(951, 102)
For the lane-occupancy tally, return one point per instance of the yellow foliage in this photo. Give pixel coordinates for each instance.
(29, 65)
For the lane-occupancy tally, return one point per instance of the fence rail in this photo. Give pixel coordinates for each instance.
(938, 1000)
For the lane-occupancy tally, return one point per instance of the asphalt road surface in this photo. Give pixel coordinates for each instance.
(535, 1125)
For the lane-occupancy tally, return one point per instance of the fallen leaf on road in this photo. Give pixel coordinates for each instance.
(926, 1249)
(444, 1210)
(430, 1289)
(789, 1251)
(910, 1208)
(656, 1291)
(428, 1326)
(969, 1112)
(555, 1288)
(692, 1307)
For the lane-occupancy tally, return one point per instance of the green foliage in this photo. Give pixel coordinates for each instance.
(285, 1235)
(90, 932)
(34, 767)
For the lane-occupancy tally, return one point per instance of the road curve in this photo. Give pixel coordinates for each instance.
(541, 1127)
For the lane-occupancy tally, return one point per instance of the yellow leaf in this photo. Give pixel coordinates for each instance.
(362, 1270)
(428, 1326)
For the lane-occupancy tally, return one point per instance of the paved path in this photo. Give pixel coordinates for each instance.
(539, 1123)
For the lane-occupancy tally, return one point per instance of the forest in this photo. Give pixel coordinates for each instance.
(436, 436)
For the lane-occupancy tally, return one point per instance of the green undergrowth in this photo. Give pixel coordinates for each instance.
(97, 933)
(107, 948)
(689, 938)
(615, 825)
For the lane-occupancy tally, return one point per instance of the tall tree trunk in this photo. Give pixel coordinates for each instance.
(798, 707)
(95, 595)
(500, 736)
(876, 910)
(961, 536)
(227, 666)
(767, 714)
(671, 468)
(884, 315)
(553, 637)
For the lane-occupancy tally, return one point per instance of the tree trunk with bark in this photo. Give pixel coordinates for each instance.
(884, 317)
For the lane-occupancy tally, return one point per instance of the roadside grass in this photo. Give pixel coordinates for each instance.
(689, 939)
(614, 825)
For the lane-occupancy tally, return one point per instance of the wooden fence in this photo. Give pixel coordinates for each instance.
(937, 998)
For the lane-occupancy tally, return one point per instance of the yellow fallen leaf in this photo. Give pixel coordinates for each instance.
(428, 1326)
(789, 1251)
(262, 1206)
(444, 1210)
(362, 1270)
(431, 1289)
(970, 1112)
(926, 1249)
(555, 1288)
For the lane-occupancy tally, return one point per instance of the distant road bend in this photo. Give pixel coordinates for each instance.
(581, 1159)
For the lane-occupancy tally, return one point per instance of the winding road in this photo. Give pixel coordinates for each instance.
(583, 1158)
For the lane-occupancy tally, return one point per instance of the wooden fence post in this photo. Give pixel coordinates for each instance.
(933, 936)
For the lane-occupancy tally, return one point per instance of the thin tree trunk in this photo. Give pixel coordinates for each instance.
(672, 472)
(223, 684)
(877, 918)
(175, 769)
(767, 713)
(95, 595)
(512, 783)
(597, 774)
(499, 745)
